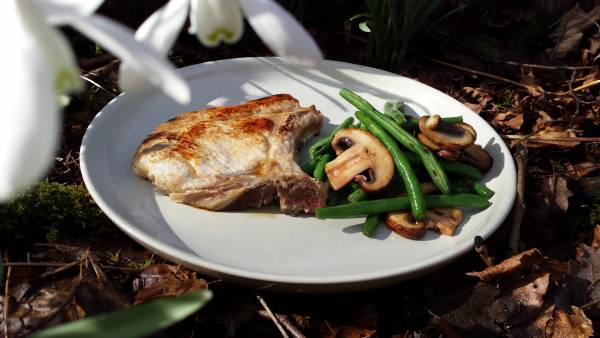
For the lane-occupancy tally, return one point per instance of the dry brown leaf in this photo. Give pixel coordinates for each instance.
(582, 169)
(529, 80)
(160, 280)
(345, 332)
(549, 134)
(525, 302)
(509, 266)
(536, 328)
(479, 95)
(544, 120)
(475, 107)
(556, 192)
(44, 307)
(596, 241)
(463, 310)
(508, 119)
(570, 30)
(569, 325)
(583, 281)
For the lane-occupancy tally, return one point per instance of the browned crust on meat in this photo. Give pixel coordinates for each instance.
(182, 131)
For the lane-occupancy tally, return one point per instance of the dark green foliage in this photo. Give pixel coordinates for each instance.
(393, 26)
(49, 212)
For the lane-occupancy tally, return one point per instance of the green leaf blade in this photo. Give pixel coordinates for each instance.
(138, 321)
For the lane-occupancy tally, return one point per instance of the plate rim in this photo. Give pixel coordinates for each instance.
(190, 260)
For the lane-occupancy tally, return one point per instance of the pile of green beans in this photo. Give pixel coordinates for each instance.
(433, 167)
(411, 183)
(393, 130)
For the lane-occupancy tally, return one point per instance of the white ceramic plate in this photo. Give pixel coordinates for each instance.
(264, 248)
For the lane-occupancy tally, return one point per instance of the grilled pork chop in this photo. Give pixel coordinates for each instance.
(235, 157)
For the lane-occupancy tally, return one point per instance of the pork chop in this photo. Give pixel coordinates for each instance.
(235, 157)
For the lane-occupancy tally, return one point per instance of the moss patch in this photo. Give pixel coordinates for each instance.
(52, 212)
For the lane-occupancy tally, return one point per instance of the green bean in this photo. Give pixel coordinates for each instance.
(401, 203)
(451, 167)
(336, 198)
(370, 224)
(395, 110)
(461, 169)
(479, 188)
(323, 145)
(482, 190)
(309, 167)
(436, 172)
(411, 183)
(357, 196)
(459, 187)
(319, 172)
(413, 123)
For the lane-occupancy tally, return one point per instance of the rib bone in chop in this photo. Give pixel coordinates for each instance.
(235, 157)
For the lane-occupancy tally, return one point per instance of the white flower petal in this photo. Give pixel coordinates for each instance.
(30, 119)
(141, 58)
(159, 31)
(162, 28)
(282, 32)
(84, 7)
(214, 21)
(54, 46)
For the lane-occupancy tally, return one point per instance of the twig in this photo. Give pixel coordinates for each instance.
(482, 251)
(477, 72)
(586, 85)
(519, 208)
(98, 85)
(548, 67)
(285, 322)
(58, 270)
(272, 316)
(56, 264)
(589, 305)
(542, 139)
(50, 264)
(5, 305)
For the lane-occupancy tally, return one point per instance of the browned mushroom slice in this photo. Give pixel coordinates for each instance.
(428, 143)
(476, 156)
(468, 128)
(443, 220)
(448, 154)
(405, 225)
(446, 135)
(360, 154)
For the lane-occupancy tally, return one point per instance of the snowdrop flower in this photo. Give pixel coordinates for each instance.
(216, 21)
(38, 65)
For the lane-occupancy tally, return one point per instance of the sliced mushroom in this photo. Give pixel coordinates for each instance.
(405, 225)
(360, 157)
(476, 156)
(443, 220)
(468, 128)
(428, 143)
(448, 154)
(446, 135)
